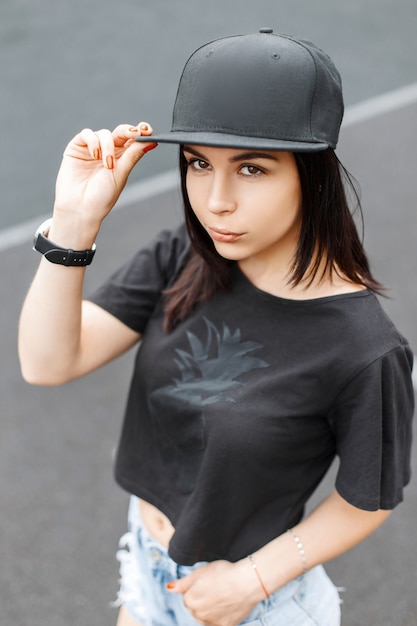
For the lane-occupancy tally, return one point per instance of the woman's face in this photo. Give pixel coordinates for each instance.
(248, 201)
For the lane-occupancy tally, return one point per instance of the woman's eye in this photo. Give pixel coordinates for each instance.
(198, 164)
(250, 170)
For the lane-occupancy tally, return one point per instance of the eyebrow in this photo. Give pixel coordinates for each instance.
(243, 156)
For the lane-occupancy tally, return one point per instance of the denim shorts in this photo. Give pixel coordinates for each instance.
(145, 568)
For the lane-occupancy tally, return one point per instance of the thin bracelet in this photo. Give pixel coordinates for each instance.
(261, 582)
(300, 548)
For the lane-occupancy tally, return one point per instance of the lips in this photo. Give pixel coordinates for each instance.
(221, 234)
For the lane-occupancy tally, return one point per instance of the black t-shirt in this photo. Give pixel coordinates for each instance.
(234, 417)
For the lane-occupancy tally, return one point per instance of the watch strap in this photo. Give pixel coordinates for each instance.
(58, 255)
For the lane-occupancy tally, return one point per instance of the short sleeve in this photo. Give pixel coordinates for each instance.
(372, 422)
(132, 292)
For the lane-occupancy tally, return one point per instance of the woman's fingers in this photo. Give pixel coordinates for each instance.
(96, 142)
(131, 151)
(84, 145)
(126, 132)
(106, 142)
(124, 137)
(111, 148)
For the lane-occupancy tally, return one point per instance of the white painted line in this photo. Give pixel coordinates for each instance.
(161, 183)
(379, 105)
(16, 235)
(137, 192)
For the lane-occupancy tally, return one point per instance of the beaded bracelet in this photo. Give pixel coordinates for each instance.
(300, 548)
(261, 582)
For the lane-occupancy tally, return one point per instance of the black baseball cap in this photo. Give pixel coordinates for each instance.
(258, 91)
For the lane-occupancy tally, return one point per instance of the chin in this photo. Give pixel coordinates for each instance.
(230, 255)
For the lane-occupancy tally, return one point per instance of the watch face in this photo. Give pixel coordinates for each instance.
(40, 242)
(44, 227)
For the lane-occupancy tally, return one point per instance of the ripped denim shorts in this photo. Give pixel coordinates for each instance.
(145, 568)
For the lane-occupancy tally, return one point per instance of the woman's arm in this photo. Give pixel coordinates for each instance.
(223, 593)
(331, 529)
(60, 337)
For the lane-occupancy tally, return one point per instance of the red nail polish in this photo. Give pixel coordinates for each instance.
(110, 162)
(144, 126)
(170, 585)
(151, 147)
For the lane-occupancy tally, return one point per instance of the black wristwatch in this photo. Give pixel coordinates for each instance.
(56, 254)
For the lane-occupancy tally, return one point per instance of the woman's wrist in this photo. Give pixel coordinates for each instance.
(250, 583)
(258, 575)
(73, 231)
(279, 562)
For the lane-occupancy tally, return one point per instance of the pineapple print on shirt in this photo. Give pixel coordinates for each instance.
(206, 373)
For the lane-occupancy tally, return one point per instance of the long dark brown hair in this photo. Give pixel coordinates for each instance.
(328, 235)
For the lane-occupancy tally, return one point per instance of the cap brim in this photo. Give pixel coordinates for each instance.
(224, 140)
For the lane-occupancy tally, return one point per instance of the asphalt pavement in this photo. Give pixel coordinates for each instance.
(61, 513)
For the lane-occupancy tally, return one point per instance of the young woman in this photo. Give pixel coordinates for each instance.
(264, 351)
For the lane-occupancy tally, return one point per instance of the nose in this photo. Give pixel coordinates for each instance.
(221, 197)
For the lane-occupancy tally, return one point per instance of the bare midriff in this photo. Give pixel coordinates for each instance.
(156, 523)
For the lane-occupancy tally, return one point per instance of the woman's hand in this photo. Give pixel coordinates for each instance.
(94, 171)
(223, 593)
(220, 593)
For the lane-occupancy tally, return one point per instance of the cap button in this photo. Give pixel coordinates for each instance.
(266, 30)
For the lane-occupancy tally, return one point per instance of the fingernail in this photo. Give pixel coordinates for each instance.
(143, 126)
(170, 585)
(133, 129)
(96, 154)
(110, 162)
(151, 147)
